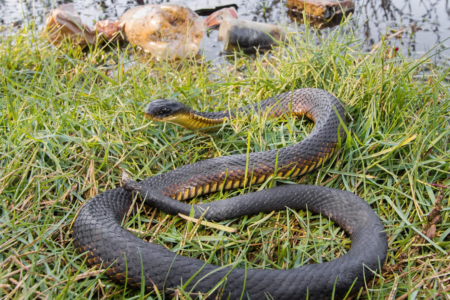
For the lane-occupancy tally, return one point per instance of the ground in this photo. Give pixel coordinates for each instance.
(71, 122)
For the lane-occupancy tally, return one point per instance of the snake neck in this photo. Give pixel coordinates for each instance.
(281, 106)
(195, 120)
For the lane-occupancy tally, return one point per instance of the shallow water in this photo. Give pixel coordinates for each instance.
(428, 21)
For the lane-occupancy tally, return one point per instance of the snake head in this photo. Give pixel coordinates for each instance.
(163, 110)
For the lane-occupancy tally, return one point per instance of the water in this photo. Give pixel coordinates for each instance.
(428, 20)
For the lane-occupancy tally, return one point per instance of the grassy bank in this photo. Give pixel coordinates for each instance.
(71, 122)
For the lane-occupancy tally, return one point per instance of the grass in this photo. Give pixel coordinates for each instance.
(71, 122)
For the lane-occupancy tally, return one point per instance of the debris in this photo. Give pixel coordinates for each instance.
(214, 20)
(247, 35)
(208, 224)
(125, 176)
(109, 29)
(440, 185)
(324, 9)
(429, 229)
(17, 23)
(297, 17)
(209, 10)
(397, 34)
(167, 31)
(431, 232)
(63, 23)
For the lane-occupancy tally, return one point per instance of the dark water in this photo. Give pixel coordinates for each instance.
(428, 20)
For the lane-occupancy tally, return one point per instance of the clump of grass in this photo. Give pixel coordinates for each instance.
(71, 122)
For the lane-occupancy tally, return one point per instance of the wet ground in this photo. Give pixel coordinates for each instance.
(428, 20)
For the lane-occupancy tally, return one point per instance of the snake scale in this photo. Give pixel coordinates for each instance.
(97, 229)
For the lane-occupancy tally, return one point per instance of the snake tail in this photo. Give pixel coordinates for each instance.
(130, 258)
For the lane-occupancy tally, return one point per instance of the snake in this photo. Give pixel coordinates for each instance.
(127, 259)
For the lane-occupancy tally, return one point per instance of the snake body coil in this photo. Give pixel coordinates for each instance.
(97, 229)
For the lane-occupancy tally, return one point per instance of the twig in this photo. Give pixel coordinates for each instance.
(399, 32)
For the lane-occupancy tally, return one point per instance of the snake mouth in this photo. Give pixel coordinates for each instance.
(153, 118)
(182, 119)
(171, 119)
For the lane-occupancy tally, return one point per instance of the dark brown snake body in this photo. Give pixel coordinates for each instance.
(97, 229)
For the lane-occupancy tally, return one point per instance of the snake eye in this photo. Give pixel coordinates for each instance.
(164, 111)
